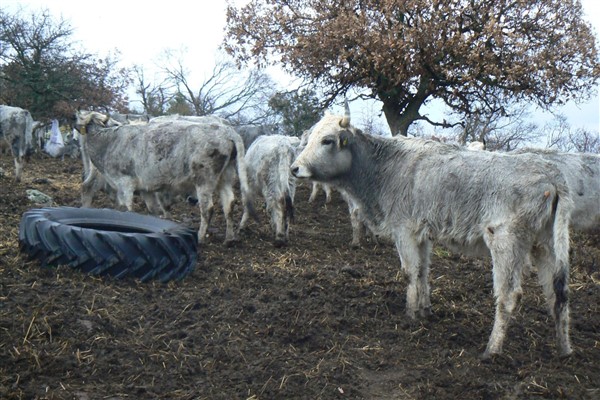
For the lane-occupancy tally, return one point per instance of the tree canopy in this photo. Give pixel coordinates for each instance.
(42, 70)
(297, 110)
(475, 56)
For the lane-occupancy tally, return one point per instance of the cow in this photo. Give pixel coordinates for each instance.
(582, 172)
(247, 132)
(356, 219)
(169, 156)
(250, 133)
(16, 130)
(205, 119)
(476, 146)
(126, 119)
(268, 160)
(415, 191)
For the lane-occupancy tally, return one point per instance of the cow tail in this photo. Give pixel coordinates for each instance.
(28, 148)
(562, 207)
(285, 189)
(90, 175)
(85, 158)
(243, 177)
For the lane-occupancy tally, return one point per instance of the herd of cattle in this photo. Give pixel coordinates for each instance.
(516, 207)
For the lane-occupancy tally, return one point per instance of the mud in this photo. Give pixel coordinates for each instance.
(314, 320)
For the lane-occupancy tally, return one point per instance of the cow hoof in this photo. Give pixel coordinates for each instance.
(231, 242)
(425, 313)
(280, 243)
(565, 353)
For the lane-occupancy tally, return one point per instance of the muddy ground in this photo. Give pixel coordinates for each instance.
(315, 320)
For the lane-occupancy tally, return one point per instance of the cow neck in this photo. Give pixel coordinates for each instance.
(372, 158)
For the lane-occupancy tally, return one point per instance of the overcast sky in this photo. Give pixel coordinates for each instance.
(141, 31)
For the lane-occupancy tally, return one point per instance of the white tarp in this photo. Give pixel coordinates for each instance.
(55, 145)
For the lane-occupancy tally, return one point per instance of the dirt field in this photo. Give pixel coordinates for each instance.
(315, 320)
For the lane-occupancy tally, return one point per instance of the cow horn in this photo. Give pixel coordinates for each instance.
(345, 122)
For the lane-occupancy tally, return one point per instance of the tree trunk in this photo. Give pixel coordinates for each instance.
(398, 119)
(392, 115)
(400, 113)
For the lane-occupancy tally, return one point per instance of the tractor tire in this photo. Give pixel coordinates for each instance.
(109, 242)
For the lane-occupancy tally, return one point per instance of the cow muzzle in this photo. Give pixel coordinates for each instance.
(300, 171)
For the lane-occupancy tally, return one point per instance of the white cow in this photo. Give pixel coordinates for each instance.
(171, 156)
(16, 127)
(478, 203)
(268, 161)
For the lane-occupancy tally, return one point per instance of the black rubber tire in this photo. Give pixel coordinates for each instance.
(109, 242)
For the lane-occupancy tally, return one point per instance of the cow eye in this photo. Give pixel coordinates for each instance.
(327, 142)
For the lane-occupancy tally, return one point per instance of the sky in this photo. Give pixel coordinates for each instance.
(142, 31)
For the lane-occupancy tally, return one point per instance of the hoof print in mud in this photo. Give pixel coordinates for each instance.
(109, 242)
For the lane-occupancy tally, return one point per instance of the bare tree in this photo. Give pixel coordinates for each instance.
(499, 131)
(561, 136)
(155, 98)
(227, 91)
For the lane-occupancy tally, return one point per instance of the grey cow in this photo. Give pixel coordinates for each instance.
(269, 159)
(250, 133)
(16, 130)
(478, 203)
(171, 156)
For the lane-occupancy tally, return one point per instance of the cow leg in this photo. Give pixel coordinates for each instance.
(246, 213)
(89, 187)
(314, 192)
(227, 198)
(205, 203)
(278, 220)
(357, 225)
(415, 259)
(125, 189)
(553, 276)
(164, 200)
(18, 168)
(509, 254)
(151, 201)
(327, 190)
(355, 220)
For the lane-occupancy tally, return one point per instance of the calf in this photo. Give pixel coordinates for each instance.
(479, 203)
(16, 127)
(268, 160)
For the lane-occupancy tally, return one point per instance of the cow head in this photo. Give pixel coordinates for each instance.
(85, 119)
(326, 154)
